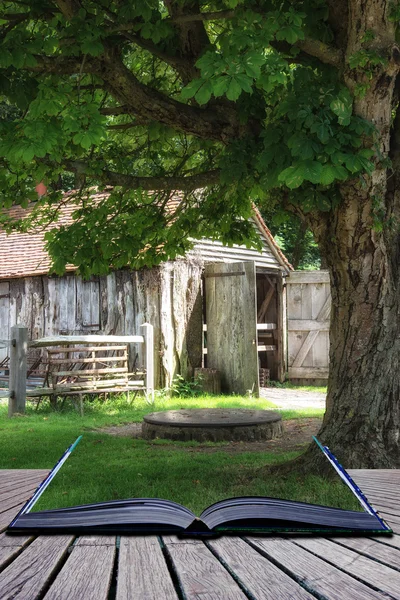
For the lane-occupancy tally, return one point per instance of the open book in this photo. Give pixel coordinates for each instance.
(255, 514)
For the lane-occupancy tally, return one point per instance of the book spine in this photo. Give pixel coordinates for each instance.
(43, 485)
(350, 483)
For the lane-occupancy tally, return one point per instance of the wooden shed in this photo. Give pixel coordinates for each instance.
(221, 307)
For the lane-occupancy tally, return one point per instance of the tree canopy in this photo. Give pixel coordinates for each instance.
(291, 104)
(241, 100)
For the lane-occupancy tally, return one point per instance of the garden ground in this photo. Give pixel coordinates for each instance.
(297, 434)
(106, 467)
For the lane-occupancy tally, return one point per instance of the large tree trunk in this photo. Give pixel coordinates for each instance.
(362, 420)
(360, 241)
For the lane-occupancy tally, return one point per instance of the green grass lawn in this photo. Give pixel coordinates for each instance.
(105, 467)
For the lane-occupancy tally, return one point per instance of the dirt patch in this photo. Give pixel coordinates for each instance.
(297, 433)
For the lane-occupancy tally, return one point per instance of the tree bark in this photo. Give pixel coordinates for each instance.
(362, 419)
(360, 242)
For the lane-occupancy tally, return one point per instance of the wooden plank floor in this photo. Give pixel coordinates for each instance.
(227, 568)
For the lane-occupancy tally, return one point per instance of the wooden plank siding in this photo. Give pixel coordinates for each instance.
(4, 319)
(271, 567)
(308, 318)
(168, 297)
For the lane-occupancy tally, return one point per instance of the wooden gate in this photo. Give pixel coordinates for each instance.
(232, 325)
(308, 314)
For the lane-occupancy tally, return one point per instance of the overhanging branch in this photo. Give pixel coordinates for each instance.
(148, 103)
(63, 65)
(186, 184)
(325, 53)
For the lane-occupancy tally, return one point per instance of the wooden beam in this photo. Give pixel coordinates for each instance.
(85, 339)
(149, 353)
(264, 306)
(308, 325)
(308, 372)
(266, 348)
(18, 370)
(307, 277)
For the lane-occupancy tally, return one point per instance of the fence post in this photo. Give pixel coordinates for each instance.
(17, 385)
(149, 359)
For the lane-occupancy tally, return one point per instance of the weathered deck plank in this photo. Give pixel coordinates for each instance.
(143, 571)
(378, 575)
(316, 575)
(258, 575)
(29, 574)
(10, 547)
(370, 549)
(86, 574)
(200, 573)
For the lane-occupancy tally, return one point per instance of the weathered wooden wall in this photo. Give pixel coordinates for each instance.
(4, 317)
(308, 314)
(168, 297)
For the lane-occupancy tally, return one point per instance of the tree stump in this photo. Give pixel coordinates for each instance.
(209, 380)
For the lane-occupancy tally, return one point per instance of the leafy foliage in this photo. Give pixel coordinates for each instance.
(149, 95)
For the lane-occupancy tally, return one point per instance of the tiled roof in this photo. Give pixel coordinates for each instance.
(23, 254)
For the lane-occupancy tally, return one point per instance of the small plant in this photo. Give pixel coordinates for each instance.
(183, 388)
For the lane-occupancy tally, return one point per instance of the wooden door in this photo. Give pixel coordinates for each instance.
(308, 314)
(4, 319)
(232, 325)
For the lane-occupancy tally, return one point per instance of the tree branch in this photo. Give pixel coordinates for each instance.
(115, 111)
(64, 65)
(187, 184)
(125, 126)
(68, 7)
(151, 104)
(210, 16)
(176, 62)
(192, 36)
(325, 53)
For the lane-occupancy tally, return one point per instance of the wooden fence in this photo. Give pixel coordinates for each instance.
(92, 379)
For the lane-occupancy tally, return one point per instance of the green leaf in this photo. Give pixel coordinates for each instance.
(252, 64)
(332, 172)
(234, 90)
(289, 33)
(204, 93)
(220, 85)
(292, 176)
(322, 130)
(18, 57)
(353, 163)
(244, 82)
(191, 89)
(342, 106)
(309, 170)
(6, 58)
(312, 171)
(302, 146)
(93, 47)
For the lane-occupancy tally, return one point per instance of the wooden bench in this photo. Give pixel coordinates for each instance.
(78, 370)
(82, 365)
(78, 365)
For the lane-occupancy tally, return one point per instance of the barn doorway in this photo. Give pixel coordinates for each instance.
(270, 340)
